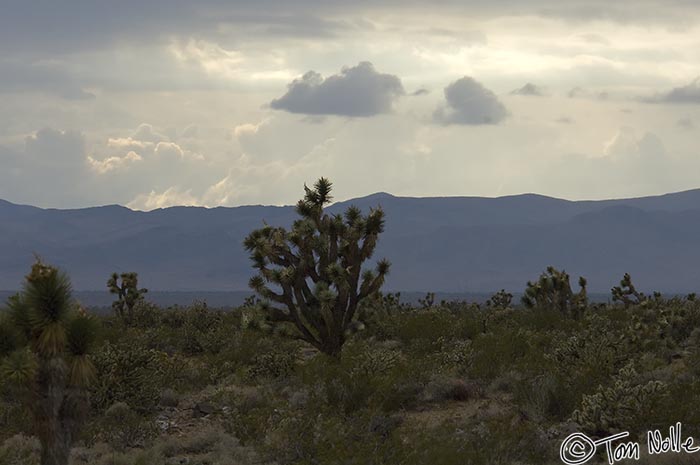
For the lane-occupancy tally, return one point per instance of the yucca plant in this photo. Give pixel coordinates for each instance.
(316, 268)
(45, 340)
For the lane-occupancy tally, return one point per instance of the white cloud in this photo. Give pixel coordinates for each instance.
(145, 134)
(171, 197)
(627, 143)
(114, 163)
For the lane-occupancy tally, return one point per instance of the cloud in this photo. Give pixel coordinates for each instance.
(419, 92)
(146, 133)
(470, 103)
(627, 144)
(49, 169)
(114, 163)
(529, 89)
(685, 123)
(44, 76)
(685, 94)
(579, 92)
(171, 197)
(358, 91)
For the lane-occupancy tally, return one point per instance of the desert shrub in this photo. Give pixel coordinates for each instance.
(245, 346)
(207, 446)
(169, 398)
(369, 377)
(544, 397)
(443, 388)
(590, 356)
(498, 440)
(251, 415)
(123, 428)
(496, 352)
(455, 355)
(424, 328)
(20, 450)
(128, 373)
(274, 365)
(14, 417)
(146, 315)
(305, 438)
(627, 405)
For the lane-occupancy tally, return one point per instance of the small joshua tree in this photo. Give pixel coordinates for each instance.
(500, 299)
(553, 291)
(44, 344)
(627, 293)
(128, 295)
(316, 268)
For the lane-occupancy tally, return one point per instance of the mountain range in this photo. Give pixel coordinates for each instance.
(449, 244)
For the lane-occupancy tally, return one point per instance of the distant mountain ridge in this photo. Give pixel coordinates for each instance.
(449, 244)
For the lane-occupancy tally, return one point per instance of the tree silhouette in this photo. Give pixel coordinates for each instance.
(315, 269)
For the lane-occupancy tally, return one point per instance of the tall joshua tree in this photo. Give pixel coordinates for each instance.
(44, 345)
(315, 269)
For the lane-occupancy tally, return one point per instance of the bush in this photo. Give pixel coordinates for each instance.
(123, 428)
(627, 405)
(128, 373)
(272, 365)
(20, 450)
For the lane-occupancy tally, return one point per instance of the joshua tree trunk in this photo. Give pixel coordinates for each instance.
(53, 430)
(333, 345)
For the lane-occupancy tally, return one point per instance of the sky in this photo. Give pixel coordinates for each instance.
(157, 103)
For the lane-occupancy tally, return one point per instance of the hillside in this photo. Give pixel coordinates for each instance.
(451, 244)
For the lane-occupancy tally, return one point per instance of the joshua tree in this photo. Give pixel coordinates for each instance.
(315, 268)
(500, 299)
(128, 295)
(44, 357)
(627, 293)
(553, 291)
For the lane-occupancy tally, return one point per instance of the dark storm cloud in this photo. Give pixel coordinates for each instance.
(48, 26)
(470, 103)
(356, 91)
(529, 89)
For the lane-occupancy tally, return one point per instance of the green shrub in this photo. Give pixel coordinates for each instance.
(20, 450)
(123, 428)
(128, 373)
(627, 405)
(272, 365)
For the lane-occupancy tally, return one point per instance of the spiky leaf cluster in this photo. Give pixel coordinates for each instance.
(552, 291)
(313, 272)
